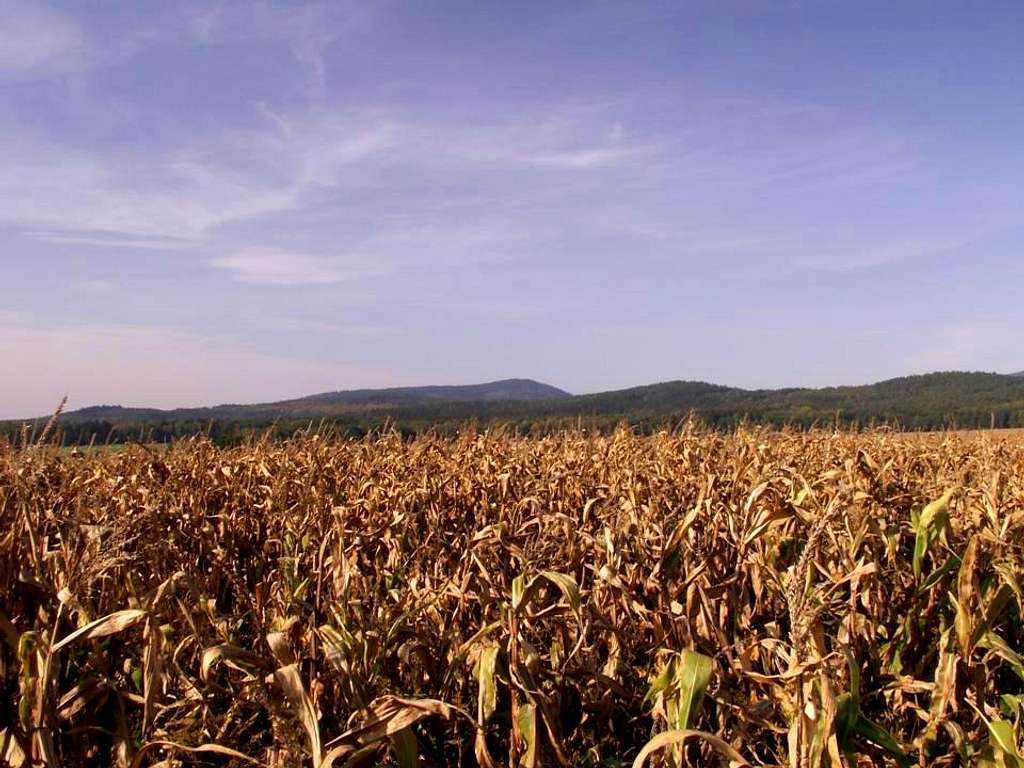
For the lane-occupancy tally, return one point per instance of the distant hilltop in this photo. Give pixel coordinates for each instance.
(506, 389)
(326, 404)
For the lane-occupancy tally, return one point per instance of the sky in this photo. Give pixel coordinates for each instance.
(250, 201)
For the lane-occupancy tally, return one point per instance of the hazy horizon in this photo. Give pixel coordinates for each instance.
(248, 202)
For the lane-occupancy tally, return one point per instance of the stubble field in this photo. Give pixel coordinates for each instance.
(757, 598)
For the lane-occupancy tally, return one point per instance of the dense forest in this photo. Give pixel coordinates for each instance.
(927, 402)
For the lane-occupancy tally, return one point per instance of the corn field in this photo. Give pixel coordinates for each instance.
(692, 598)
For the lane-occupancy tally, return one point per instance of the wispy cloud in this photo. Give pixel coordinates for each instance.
(564, 137)
(599, 157)
(102, 240)
(269, 266)
(182, 194)
(308, 31)
(403, 189)
(404, 244)
(166, 199)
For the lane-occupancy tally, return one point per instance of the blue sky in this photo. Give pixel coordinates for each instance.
(234, 201)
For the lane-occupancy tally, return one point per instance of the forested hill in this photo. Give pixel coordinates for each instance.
(334, 404)
(895, 398)
(931, 401)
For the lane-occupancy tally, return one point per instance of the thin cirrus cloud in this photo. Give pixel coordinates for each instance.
(40, 41)
(60, 194)
(587, 158)
(51, 190)
(267, 266)
(308, 31)
(182, 193)
(404, 245)
(106, 240)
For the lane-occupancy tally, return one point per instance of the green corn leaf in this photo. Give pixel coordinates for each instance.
(488, 688)
(854, 669)
(518, 591)
(999, 647)
(692, 678)
(920, 547)
(931, 520)
(663, 680)
(523, 593)
(1011, 704)
(936, 575)
(1009, 578)
(846, 719)
(882, 738)
(406, 748)
(992, 611)
(569, 589)
(1002, 738)
(848, 704)
(528, 732)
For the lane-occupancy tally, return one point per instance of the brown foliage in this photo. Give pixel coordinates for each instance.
(499, 600)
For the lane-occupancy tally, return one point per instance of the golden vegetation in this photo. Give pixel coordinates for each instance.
(759, 598)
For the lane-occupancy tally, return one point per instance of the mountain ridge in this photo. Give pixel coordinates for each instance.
(924, 401)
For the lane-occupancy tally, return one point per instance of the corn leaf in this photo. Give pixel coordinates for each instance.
(693, 676)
